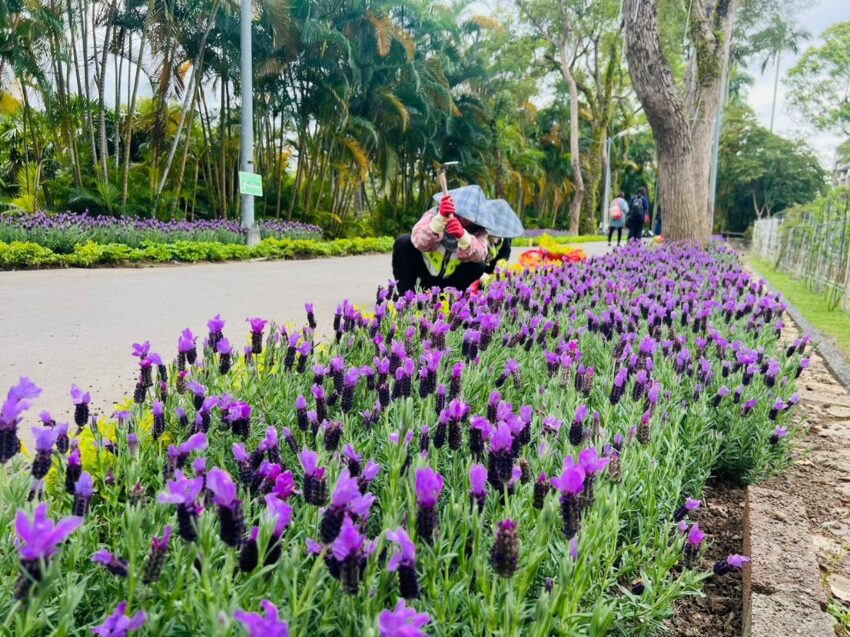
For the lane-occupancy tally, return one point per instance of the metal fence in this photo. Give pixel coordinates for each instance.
(812, 244)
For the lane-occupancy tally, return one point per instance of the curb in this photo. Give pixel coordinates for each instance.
(783, 596)
(832, 356)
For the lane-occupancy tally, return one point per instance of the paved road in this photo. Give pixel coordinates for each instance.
(76, 326)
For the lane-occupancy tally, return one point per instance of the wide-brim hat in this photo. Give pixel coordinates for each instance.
(494, 215)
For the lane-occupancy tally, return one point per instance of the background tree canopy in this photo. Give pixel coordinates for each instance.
(131, 107)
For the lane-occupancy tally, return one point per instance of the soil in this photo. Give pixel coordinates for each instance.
(820, 475)
(718, 612)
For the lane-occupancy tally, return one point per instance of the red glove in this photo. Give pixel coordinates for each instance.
(454, 228)
(447, 206)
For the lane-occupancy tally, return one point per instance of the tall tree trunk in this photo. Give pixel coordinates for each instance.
(775, 91)
(662, 102)
(101, 91)
(87, 87)
(705, 90)
(682, 125)
(575, 153)
(189, 98)
(131, 108)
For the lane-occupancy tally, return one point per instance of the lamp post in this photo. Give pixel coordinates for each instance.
(246, 146)
(607, 192)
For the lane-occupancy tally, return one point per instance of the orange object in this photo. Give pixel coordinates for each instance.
(540, 256)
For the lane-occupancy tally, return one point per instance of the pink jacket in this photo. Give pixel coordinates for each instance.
(426, 240)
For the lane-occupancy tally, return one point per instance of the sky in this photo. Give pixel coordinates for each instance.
(789, 124)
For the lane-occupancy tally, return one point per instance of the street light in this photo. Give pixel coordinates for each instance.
(607, 194)
(246, 146)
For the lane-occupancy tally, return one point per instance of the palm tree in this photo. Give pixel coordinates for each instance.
(780, 36)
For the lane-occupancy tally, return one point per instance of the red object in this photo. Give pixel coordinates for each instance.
(454, 228)
(474, 287)
(447, 206)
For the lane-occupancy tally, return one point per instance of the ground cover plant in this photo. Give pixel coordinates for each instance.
(62, 233)
(518, 461)
(18, 255)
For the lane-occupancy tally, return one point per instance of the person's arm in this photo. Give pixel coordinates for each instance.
(428, 232)
(472, 248)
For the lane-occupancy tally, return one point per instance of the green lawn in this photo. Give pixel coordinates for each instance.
(835, 323)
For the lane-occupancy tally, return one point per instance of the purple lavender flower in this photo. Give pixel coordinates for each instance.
(349, 385)
(504, 556)
(693, 543)
(231, 520)
(257, 327)
(281, 514)
(403, 621)
(118, 624)
(429, 485)
(268, 625)
(37, 540)
(315, 485)
(570, 483)
(352, 458)
(731, 563)
(83, 491)
(778, 407)
(111, 562)
(186, 349)
(576, 427)
(184, 492)
(349, 555)
(156, 557)
(404, 561)
(368, 475)
(311, 317)
(500, 455)
(778, 434)
(44, 440)
(478, 485)
(682, 511)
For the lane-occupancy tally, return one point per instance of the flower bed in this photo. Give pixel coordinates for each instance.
(533, 237)
(62, 233)
(520, 461)
(19, 255)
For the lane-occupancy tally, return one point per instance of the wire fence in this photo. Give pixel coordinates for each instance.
(812, 244)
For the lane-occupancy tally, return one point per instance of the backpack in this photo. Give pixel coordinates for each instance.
(636, 209)
(615, 212)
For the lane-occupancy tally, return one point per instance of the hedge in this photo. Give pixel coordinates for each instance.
(24, 255)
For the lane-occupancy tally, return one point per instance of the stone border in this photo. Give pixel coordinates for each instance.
(783, 596)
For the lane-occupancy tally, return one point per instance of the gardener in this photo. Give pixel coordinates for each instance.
(456, 242)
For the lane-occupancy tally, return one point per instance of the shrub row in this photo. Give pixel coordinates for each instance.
(24, 255)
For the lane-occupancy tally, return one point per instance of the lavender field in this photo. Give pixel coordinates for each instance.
(524, 460)
(62, 232)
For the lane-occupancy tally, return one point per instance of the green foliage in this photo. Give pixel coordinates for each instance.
(760, 173)
(22, 255)
(818, 83)
(835, 324)
(527, 242)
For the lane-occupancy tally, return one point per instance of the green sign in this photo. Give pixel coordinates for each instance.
(250, 184)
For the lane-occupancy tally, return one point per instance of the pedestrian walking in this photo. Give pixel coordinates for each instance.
(617, 217)
(638, 209)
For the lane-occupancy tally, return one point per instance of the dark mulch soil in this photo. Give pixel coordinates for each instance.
(718, 613)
